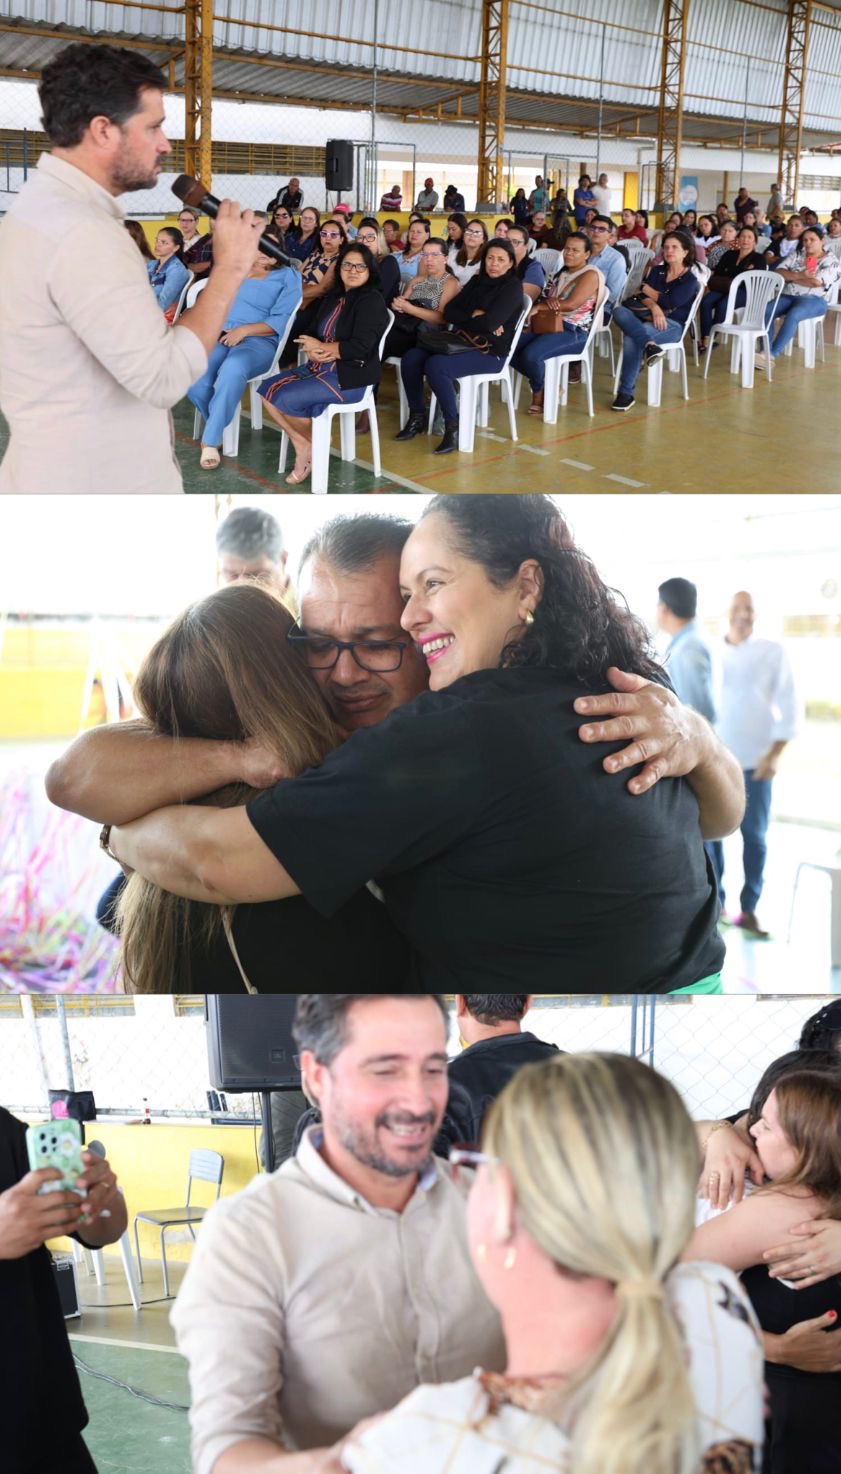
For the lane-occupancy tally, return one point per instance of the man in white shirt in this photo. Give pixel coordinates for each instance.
(757, 718)
(89, 368)
(602, 193)
(324, 1293)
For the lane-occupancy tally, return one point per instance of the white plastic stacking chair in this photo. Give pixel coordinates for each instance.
(833, 244)
(809, 338)
(182, 298)
(404, 403)
(473, 399)
(322, 425)
(640, 260)
(748, 327)
(550, 260)
(834, 307)
(832, 869)
(556, 382)
(673, 353)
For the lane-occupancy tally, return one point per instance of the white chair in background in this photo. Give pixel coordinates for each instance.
(831, 868)
(556, 382)
(230, 435)
(473, 394)
(673, 353)
(746, 325)
(810, 339)
(322, 425)
(550, 260)
(182, 298)
(834, 306)
(93, 1261)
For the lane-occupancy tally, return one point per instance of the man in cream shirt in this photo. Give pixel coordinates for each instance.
(324, 1293)
(89, 369)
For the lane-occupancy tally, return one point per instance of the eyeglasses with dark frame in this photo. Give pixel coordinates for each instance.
(322, 653)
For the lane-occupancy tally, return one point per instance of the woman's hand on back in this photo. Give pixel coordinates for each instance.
(811, 1255)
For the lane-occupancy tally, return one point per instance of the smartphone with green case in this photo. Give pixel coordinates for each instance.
(57, 1144)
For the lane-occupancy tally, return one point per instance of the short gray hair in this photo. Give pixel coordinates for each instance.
(320, 1024)
(352, 544)
(248, 533)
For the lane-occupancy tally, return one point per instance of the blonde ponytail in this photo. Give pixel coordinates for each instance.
(604, 1162)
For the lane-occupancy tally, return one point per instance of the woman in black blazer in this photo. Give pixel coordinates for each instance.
(342, 355)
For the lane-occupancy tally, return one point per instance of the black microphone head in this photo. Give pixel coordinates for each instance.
(96, 1147)
(189, 191)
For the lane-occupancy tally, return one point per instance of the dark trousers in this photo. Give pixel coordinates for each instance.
(69, 1458)
(442, 369)
(754, 829)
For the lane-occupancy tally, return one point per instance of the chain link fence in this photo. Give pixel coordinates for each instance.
(135, 1053)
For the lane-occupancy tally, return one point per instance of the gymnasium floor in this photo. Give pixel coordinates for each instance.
(784, 436)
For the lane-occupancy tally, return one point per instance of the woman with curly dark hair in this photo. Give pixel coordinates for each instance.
(504, 852)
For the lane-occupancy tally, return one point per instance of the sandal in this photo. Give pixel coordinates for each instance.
(299, 474)
(210, 458)
(536, 406)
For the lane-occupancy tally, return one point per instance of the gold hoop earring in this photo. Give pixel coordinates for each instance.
(510, 1257)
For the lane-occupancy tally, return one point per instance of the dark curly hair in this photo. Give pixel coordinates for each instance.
(581, 626)
(822, 1030)
(86, 82)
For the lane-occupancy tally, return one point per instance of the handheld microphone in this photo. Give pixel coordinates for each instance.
(98, 1150)
(192, 192)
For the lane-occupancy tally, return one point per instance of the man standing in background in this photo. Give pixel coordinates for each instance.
(495, 1047)
(249, 545)
(688, 660)
(758, 716)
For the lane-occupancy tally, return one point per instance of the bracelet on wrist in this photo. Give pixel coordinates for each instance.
(716, 1126)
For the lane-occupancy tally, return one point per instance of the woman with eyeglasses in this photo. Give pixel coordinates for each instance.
(505, 853)
(304, 239)
(226, 669)
(370, 234)
(284, 226)
(423, 302)
(620, 1358)
(465, 260)
(197, 249)
(342, 342)
(318, 274)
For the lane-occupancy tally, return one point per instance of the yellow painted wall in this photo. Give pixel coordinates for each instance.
(151, 1167)
(43, 669)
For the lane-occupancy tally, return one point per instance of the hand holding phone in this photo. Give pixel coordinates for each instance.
(57, 1144)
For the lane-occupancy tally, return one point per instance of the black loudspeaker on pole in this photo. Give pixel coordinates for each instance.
(338, 164)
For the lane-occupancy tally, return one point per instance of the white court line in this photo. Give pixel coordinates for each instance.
(130, 1345)
(623, 480)
(500, 439)
(386, 475)
(576, 465)
(535, 450)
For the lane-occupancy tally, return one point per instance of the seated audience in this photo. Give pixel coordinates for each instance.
(538, 228)
(456, 226)
(690, 221)
(167, 272)
(608, 260)
(529, 271)
(484, 314)
(618, 1356)
(565, 316)
(502, 228)
(809, 276)
(631, 229)
(318, 273)
(393, 199)
(464, 261)
(342, 213)
(726, 242)
(796, 1129)
(745, 257)
(393, 239)
(256, 319)
(284, 228)
(453, 199)
(138, 235)
(342, 355)
(641, 217)
(304, 240)
(789, 244)
(519, 207)
(427, 200)
(409, 259)
(762, 223)
(667, 295)
(423, 301)
(369, 234)
(833, 229)
(555, 234)
(706, 231)
(197, 251)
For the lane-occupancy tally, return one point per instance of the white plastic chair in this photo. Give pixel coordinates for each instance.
(673, 353)
(322, 425)
(831, 868)
(640, 261)
(404, 403)
(556, 383)
(182, 298)
(204, 1166)
(550, 260)
(473, 405)
(93, 1261)
(746, 325)
(834, 306)
(833, 244)
(230, 434)
(809, 338)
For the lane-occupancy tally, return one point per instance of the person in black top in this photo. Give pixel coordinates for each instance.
(43, 1409)
(291, 197)
(225, 669)
(343, 352)
(486, 311)
(496, 1047)
(504, 851)
(744, 258)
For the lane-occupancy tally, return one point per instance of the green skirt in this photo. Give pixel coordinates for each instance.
(712, 984)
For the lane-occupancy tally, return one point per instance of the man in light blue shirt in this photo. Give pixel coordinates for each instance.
(607, 259)
(688, 658)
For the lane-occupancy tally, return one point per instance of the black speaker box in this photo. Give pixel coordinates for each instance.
(64, 1275)
(249, 1042)
(338, 164)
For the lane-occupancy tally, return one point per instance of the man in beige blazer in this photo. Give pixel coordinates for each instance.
(89, 369)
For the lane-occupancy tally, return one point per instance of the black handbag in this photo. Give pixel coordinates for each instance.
(440, 340)
(640, 306)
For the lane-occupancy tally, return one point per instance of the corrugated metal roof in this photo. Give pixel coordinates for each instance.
(556, 51)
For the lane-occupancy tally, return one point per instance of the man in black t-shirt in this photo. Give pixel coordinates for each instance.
(43, 1409)
(491, 1027)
